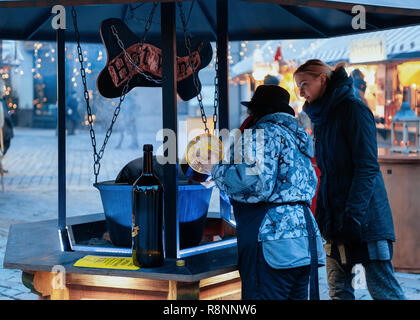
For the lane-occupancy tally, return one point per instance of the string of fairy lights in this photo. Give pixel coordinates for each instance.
(44, 54)
(6, 82)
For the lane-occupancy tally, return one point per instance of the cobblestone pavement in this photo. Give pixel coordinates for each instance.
(31, 194)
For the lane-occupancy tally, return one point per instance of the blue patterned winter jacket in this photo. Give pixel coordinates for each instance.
(284, 174)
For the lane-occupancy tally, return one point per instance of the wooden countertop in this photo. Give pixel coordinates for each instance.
(386, 156)
(35, 247)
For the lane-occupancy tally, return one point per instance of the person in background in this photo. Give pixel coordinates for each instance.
(270, 79)
(72, 114)
(352, 208)
(305, 121)
(127, 123)
(2, 90)
(359, 85)
(271, 198)
(6, 125)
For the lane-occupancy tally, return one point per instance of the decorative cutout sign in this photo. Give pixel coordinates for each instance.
(148, 61)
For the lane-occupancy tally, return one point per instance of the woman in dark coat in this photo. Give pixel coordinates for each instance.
(352, 208)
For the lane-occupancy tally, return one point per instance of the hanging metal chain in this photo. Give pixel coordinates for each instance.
(127, 56)
(196, 80)
(131, 16)
(97, 156)
(216, 89)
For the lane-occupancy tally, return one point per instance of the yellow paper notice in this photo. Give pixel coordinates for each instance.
(104, 262)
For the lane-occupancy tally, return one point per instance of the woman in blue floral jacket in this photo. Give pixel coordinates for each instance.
(271, 189)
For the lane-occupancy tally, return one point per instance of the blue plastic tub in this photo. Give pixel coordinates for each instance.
(193, 202)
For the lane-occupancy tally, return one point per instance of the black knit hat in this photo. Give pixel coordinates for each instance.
(269, 99)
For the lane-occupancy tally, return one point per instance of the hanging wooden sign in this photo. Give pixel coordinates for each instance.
(145, 66)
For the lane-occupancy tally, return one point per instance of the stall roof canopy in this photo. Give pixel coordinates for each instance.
(401, 43)
(248, 20)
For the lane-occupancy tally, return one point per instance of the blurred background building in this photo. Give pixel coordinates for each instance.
(387, 61)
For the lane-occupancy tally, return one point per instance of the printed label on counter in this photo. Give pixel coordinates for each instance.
(106, 262)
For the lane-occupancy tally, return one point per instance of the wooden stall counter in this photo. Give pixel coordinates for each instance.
(34, 248)
(402, 180)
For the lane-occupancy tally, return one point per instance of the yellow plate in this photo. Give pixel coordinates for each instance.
(199, 147)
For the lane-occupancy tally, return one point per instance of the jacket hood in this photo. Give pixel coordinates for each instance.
(301, 138)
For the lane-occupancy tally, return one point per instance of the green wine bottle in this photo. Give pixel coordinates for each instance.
(147, 215)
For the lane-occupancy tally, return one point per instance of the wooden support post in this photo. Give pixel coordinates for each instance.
(51, 285)
(170, 121)
(223, 77)
(61, 129)
(222, 58)
(184, 290)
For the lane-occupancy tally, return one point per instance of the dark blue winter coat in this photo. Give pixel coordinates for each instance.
(351, 182)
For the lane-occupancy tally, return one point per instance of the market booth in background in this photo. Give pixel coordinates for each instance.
(274, 59)
(43, 249)
(389, 62)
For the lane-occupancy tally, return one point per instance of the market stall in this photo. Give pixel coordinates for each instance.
(42, 248)
(387, 62)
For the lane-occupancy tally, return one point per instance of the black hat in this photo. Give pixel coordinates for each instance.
(268, 99)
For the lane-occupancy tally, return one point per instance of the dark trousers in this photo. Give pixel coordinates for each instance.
(266, 283)
(379, 275)
(259, 280)
(282, 284)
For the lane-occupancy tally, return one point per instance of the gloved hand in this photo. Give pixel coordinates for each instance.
(352, 230)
